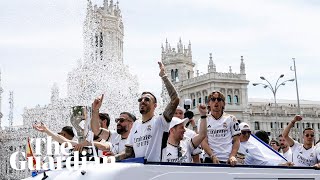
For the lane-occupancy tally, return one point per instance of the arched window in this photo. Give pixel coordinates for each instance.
(256, 125)
(194, 103)
(206, 99)
(199, 101)
(229, 99)
(172, 75)
(236, 99)
(176, 75)
(188, 74)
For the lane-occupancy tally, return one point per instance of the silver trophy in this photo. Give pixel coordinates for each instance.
(80, 118)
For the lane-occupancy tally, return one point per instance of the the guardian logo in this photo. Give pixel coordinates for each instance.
(50, 160)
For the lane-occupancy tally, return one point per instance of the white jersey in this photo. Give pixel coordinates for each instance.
(249, 154)
(288, 155)
(118, 145)
(178, 154)
(112, 136)
(191, 134)
(146, 138)
(304, 157)
(220, 135)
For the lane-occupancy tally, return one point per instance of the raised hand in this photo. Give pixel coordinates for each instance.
(162, 72)
(297, 118)
(202, 109)
(97, 103)
(40, 127)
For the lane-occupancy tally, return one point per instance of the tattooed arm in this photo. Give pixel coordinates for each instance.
(127, 153)
(171, 107)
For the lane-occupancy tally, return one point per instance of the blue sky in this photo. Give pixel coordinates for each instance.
(41, 41)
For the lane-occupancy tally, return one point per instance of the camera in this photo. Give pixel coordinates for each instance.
(187, 105)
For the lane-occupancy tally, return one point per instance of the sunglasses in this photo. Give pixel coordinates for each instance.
(146, 99)
(214, 99)
(245, 132)
(311, 135)
(121, 120)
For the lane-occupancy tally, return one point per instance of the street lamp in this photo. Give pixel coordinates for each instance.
(299, 110)
(274, 90)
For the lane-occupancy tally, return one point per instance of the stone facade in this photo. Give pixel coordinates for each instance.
(263, 116)
(180, 68)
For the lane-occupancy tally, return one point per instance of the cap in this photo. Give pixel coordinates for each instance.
(175, 121)
(244, 126)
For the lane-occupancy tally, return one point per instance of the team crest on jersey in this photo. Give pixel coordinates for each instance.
(169, 154)
(225, 125)
(311, 155)
(149, 128)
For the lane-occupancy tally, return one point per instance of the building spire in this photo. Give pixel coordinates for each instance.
(211, 66)
(105, 4)
(242, 66)
(189, 49)
(11, 109)
(180, 46)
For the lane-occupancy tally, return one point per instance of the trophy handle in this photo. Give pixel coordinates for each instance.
(78, 114)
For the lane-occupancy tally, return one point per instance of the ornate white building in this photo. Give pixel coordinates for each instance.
(191, 85)
(101, 71)
(259, 113)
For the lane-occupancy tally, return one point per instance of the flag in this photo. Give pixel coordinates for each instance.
(273, 157)
(29, 152)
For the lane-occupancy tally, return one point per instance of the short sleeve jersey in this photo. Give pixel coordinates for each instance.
(112, 136)
(146, 138)
(118, 145)
(288, 155)
(191, 134)
(304, 157)
(178, 154)
(220, 134)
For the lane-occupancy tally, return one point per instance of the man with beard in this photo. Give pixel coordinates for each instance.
(145, 138)
(124, 125)
(286, 150)
(179, 147)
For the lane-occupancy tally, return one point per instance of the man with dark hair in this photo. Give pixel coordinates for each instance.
(67, 132)
(302, 154)
(104, 120)
(222, 142)
(145, 137)
(286, 150)
(275, 145)
(124, 125)
(262, 135)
